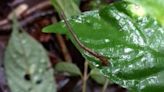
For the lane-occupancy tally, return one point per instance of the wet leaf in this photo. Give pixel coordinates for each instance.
(133, 43)
(153, 7)
(27, 64)
(96, 75)
(69, 68)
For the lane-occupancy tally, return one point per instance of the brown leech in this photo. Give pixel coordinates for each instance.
(103, 59)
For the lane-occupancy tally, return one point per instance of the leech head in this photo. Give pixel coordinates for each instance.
(104, 60)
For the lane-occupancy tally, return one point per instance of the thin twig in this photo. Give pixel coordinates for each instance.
(85, 76)
(63, 47)
(105, 85)
(37, 7)
(62, 44)
(5, 24)
(27, 20)
(103, 59)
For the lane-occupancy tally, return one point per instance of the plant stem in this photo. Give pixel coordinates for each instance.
(105, 85)
(85, 76)
(64, 49)
(103, 59)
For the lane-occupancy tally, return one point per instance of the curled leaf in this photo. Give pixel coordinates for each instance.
(69, 68)
(96, 75)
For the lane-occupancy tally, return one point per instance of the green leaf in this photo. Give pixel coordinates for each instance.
(96, 4)
(27, 64)
(96, 75)
(70, 8)
(69, 68)
(77, 2)
(133, 42)
(153, 7)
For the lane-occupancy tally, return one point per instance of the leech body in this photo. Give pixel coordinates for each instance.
(103, 59)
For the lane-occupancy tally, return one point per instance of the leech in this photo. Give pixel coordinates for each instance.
(103, 59)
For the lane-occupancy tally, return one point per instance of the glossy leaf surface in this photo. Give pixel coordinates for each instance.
(27, 65)
(153, 7)
(69, 68)
(133, 43)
